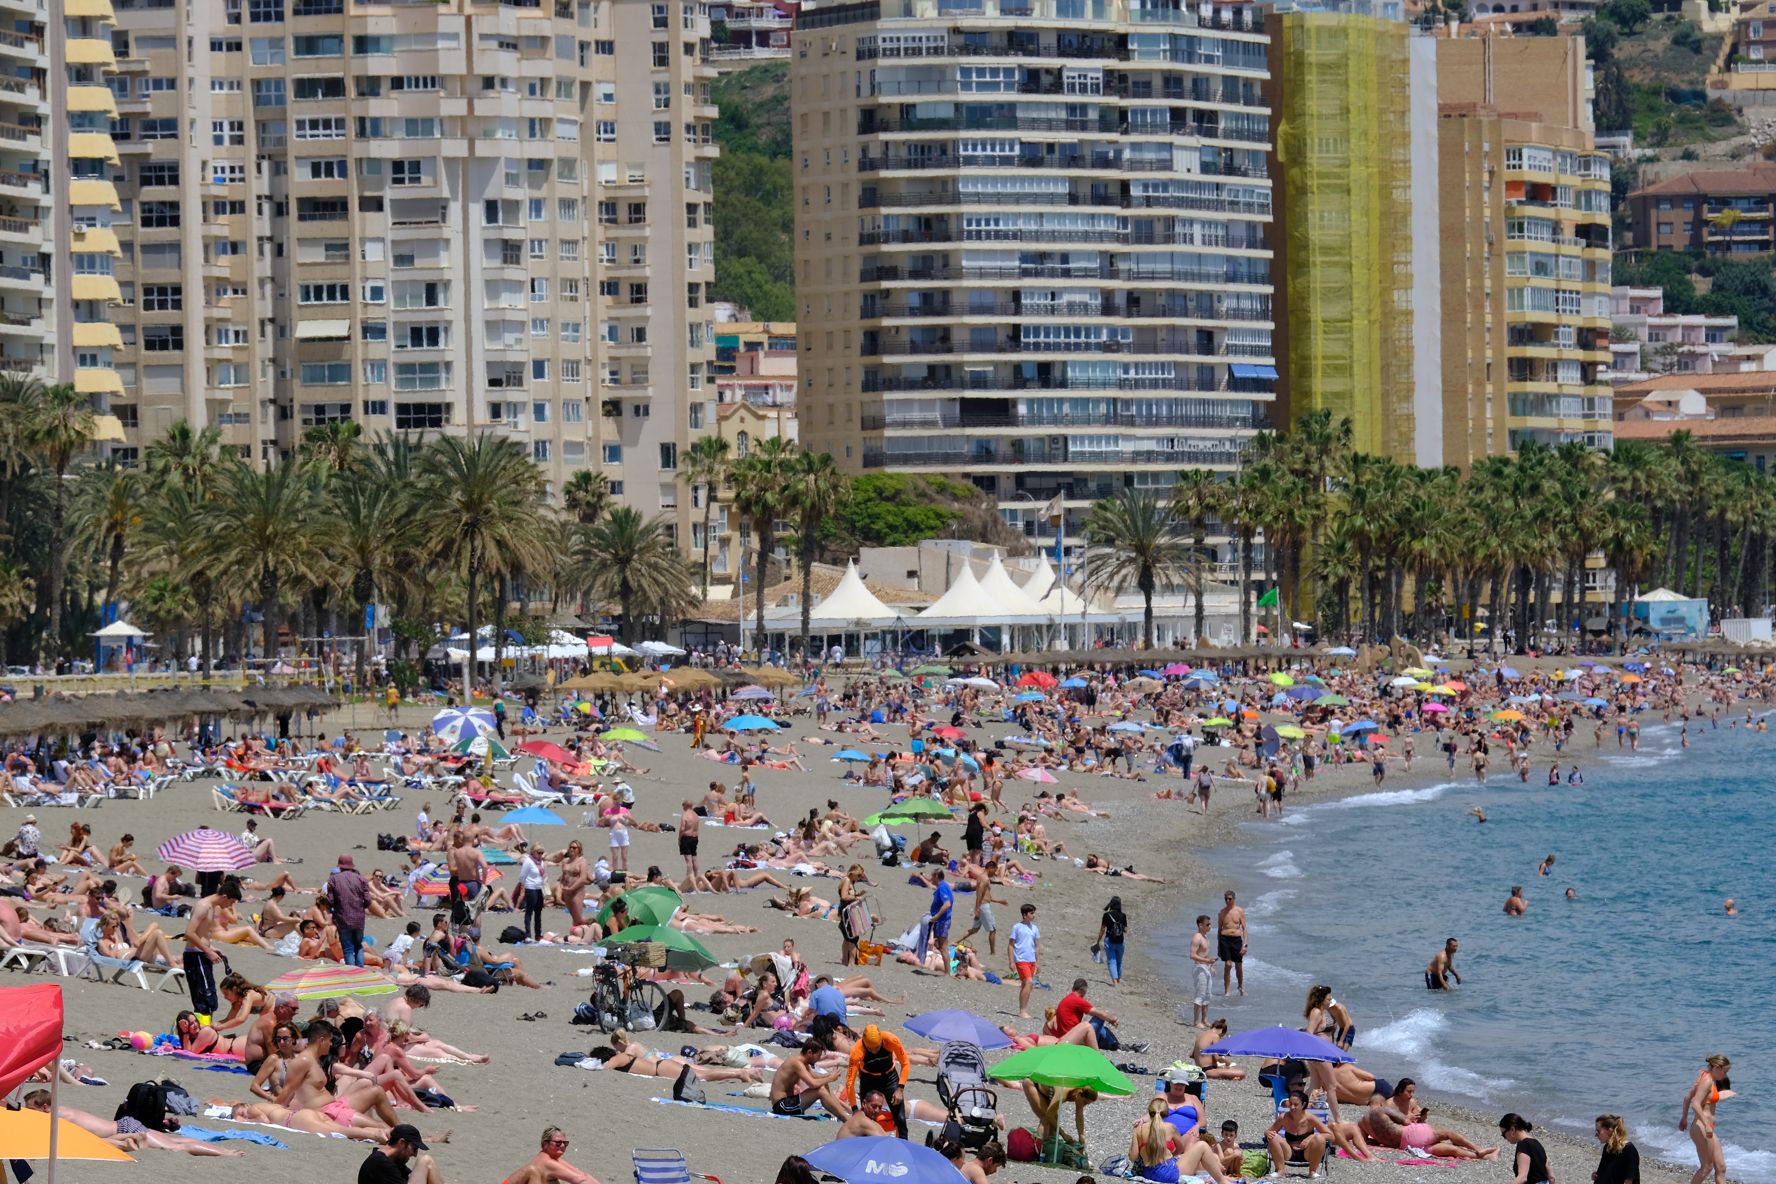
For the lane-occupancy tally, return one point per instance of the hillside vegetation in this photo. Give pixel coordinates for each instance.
(754, 199)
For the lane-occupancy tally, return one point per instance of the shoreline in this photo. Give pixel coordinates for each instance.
(1199, 880)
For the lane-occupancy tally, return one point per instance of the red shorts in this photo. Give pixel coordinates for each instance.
(1026, 971)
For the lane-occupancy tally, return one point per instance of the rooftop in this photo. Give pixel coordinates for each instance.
(1745, 382)
(1756, 179)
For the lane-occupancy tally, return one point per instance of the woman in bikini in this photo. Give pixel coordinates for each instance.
(625, 1055)
(196, 1037)
(1153, 1150)
(1296, 1130)
(1711, 1085)
(274, 1070)
(245, 1001)
(115, 941)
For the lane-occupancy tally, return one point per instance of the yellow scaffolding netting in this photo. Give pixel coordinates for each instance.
(1344, 141)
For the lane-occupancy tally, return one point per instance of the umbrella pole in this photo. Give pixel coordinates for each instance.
(55, 1121)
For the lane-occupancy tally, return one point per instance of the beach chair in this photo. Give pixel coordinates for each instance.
(223, 799)
(544, 797)
(104, 968)
(662, 1165)
(65, 960)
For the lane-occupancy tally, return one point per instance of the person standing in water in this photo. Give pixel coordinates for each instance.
(1710, 1087)
(1442, 968)
(1231, 940)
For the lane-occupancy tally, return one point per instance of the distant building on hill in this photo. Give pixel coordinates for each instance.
(1718, 211)
(1730, 414)
(1645, 340)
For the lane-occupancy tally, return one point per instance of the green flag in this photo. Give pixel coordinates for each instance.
(1268, 600)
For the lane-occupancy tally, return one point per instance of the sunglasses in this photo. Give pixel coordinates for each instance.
(556, 1143)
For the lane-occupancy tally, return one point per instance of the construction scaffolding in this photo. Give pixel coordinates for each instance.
(1343, 143)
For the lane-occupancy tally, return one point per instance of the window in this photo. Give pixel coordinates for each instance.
(423, 336)
(539, 369)
(376, 407)
(158, 129)
(163, 338)
(662, 55)
(320, 127)
(318, 87)
(662, 131)
(266, 12)
(539, 326)
(571, 330)
(407, 172)
(156, 173)
(570, 370)
(228, 133)
(376, 373)
(421, 376)
(325, 168)
(422, 294)
(605, 131)
(539, 289)
(318, 414)
(668, 457)
(330, 293)
(162, 298)
(373, 331)
(662, 96)
(572, 411)
(159, 214)
(375, 292)
(539, 450)
(326, 373)
(605, 49)
(539, 248)
(323, 45)
(539, 413)
(412, 416)
(613, 454)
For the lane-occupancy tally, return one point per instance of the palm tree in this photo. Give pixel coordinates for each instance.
(759, 498)
(276, 524)
(705, 465)
(1628, 543)
(1194, 499)
(190, 457)
(634, 561)
(109, 507)
(378, 543)
(814, 491)
(1132, 541)
(18, 597)
(585, 496)
(178, 548)
(165, 605)
(336, 447)
(480, 502)
(18, 399)
(60, 428)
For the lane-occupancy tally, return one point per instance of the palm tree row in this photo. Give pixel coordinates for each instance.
(1379, 548)
(450, 529)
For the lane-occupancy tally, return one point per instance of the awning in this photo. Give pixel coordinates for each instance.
(92, 146)
(89, 51)
(96, 287)
(99, 10)
(324, 331)
(90, 191)
(97, 335)
(1247, 370)
(96, 380)
(89, 100)
(108, 428)
(100, 240)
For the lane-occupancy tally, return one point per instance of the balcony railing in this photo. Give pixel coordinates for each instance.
(994, 385)
(1017, 345)
(983, 453)
(926, 421)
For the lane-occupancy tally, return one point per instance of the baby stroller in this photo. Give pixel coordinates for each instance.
(962, 1087)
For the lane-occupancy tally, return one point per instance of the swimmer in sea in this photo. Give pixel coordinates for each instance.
(1547, 866)
(1515, 905)
(1478, 812)
(1732, 909)
(1442, 968)
(1571, 892)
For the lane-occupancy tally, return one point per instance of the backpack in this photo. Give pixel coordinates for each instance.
(1115, 927)
(147, 1105)
(1020, 1145)
(512, 935)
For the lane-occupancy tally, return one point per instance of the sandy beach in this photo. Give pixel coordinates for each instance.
(606, 1115)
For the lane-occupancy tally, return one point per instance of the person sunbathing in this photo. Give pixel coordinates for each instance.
(1218, 1067)
(315, 1122)
(1103, 867)
(550, 1165)
(125, 1133)
(627, 1055)
(116, 941)
(1384, 1125)
(708, 923)
(205, 1040)
(801, 902)
(732, 880)
(17, 926)
(122, 858)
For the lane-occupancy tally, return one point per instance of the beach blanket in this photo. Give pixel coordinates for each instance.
(203, 1060)
(205, 1135)
(748, 1110)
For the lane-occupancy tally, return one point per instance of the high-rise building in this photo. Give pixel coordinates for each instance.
(421, 217)
(1526, 247)
(1032, 242)
(1353, 98)
(27, 294)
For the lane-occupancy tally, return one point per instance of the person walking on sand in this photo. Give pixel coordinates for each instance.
(1202, 972)
(200, 956)
(349, 895)
(1231, 931)
(1442, 968)
(984, 900)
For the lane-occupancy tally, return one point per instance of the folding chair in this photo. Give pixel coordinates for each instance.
(662, 1165)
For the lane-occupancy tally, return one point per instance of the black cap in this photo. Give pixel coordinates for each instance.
(407, 1133)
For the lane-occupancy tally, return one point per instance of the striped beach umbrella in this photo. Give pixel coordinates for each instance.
(326, 980)
(454, 723)
(437, 881)
(206, 850)
(487, 746)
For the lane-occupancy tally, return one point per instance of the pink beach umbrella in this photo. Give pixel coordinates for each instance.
(1175, 670)
(1434, 709)
(1042, 776)
(207, 850)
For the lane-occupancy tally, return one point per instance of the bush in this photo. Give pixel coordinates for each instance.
(1687, 36)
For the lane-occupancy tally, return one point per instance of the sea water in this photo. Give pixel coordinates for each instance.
(1606, 1003)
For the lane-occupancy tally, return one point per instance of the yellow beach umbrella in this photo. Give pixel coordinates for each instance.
(24, 1134)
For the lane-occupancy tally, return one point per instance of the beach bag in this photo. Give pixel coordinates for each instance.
(1255, 1165)
(1020, 1145)
(584, 1013)
(147, 1105)
(176, 1099)
(512, 935)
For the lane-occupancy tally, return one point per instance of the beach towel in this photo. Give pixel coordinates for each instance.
(205, 1135)
(753, 1111)
(202, 1060)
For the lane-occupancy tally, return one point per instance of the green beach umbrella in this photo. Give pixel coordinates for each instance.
(683, 952)
(485, 746)
(630, 734)
(890, 676)
(1065, 1066)
(651, 904)
(1331, 701)
(940, 670)
(1220, 721)
(910, 810)
(1282, 680)
(1731, 670)
(1289, 732)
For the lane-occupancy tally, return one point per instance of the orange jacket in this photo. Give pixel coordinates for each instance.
(890, 1043)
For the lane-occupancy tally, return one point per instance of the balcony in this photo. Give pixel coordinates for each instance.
(890, 420)
(1073, 310)
(1101, 162)
(981, 453)
(995, 385)
(1179, 346)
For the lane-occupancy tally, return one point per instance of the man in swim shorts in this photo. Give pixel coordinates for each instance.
(1232, 944)
(1025, 949)
(689, 824)
(797, 1084)
(1202, 972)
(1442, 968)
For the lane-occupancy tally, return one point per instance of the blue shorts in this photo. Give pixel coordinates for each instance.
(1164, 1173)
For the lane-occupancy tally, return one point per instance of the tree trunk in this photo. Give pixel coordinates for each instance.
(474, 587)
(1199, 595)
(1245, 560)
(58, 563)
(206, 604)
(499, 632)
(268, 612)
(764, 558)
(1366, 590)
(708, 508)
(807, 550)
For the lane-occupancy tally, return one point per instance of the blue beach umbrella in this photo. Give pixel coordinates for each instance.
(747, 693)
(1150, 674)
(1362, 725)
(749, 723)
(882, 1159)
(1303, 693)
(1128, 725)
(849, 754)
(1028, 697)
(1281, 1043)
(955, 1024)
(1196, 682)
(1594, 701)
(535, 816)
